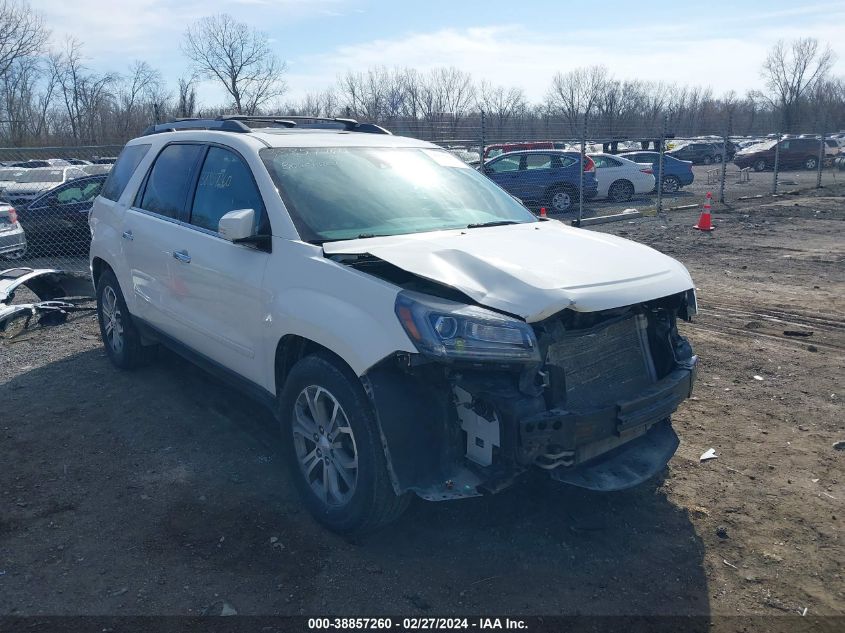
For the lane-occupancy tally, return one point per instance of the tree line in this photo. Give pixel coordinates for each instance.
(51, 96)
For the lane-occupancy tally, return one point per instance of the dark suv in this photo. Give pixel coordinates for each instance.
(698, 153)
(793, 152)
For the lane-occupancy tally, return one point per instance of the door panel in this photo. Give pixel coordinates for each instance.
(216, 300)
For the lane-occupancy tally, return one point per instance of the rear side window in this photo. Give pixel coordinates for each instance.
(538, 161)
(122, 171)
(225, 184)
(170, 179)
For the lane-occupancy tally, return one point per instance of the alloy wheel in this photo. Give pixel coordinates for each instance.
(325, 446)
(112, 320)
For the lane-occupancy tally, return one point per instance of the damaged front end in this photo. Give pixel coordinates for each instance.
(585, 396)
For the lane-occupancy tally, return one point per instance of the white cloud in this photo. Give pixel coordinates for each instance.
(514, 55)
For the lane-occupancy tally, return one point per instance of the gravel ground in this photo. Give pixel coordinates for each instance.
(161, 491)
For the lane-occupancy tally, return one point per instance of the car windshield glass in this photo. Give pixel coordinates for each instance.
(39, 175)
(339, 193)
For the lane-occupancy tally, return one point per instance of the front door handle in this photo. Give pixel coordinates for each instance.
(182, 256)
(127, 235)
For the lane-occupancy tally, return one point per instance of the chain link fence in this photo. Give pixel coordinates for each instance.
(560, 168)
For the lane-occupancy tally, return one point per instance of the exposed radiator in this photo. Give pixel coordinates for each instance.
(605, 364)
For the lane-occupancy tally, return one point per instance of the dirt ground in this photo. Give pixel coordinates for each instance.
(161, 491)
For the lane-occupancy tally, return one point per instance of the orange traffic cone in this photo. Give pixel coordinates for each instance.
(704, 223)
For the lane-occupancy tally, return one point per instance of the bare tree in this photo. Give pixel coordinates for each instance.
(500, 104)
(187, 104)
(574, 94)
(22, 32)
(142, 84)
(87, 96)
(791, 70)
(238, 57)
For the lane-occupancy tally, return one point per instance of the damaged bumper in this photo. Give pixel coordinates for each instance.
(595, 413)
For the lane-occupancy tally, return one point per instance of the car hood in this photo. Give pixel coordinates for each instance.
(531, 270)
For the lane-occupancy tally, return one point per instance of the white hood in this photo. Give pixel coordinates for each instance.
(532, 270)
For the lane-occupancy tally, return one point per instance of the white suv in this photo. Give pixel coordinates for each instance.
(414, 327)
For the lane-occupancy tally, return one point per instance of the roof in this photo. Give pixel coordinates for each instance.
(259, 138)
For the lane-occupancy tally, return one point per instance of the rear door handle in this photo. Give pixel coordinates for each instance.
(182, 256)
(127, 235)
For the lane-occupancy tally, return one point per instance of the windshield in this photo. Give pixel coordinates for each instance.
(38, 175)
(341, 193)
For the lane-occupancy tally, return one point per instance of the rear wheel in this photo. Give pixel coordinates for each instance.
(760, 165)
(811, 162)
(707, 160)
(334, 448)
(671, 184)
(560, 199)
(620, 191)
(121, 337)
(717, 158)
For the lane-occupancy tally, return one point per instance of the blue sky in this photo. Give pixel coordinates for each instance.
(716, 43)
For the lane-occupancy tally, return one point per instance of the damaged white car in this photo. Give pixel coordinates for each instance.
(414, 327)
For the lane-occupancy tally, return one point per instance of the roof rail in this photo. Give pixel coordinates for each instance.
(319, 122)
(237, 123)
(197, 124)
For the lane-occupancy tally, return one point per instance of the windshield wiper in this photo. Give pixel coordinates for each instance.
(481, 225)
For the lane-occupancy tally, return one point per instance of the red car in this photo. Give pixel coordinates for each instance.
(491, 151)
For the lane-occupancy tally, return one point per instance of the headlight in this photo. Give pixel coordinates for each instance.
(457, 331)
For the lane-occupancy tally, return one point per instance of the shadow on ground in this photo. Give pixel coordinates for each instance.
(162, 491)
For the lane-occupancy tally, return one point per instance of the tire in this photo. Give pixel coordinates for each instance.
(811, 163)
(620, 191)
(121, 337)
(707, 160)
(717, 158)
(671, 184)
(760, 165)
(362, 499)
(560, 199)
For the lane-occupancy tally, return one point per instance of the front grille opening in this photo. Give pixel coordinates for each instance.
(604, 364)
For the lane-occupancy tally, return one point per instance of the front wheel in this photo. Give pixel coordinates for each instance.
(707, 160)
(811, 163)
(334, 448)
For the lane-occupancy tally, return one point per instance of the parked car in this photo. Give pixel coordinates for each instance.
(414, 328)
(57, 220)
(548, 178)
(697, 153)
(792, 153)
(8, 175)
(34, 164)
(93, 170)
(31, 183)
(497, 149)
(77, 161)
(103, 160)
(676, 173)
(12, 235)
(619, 178)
